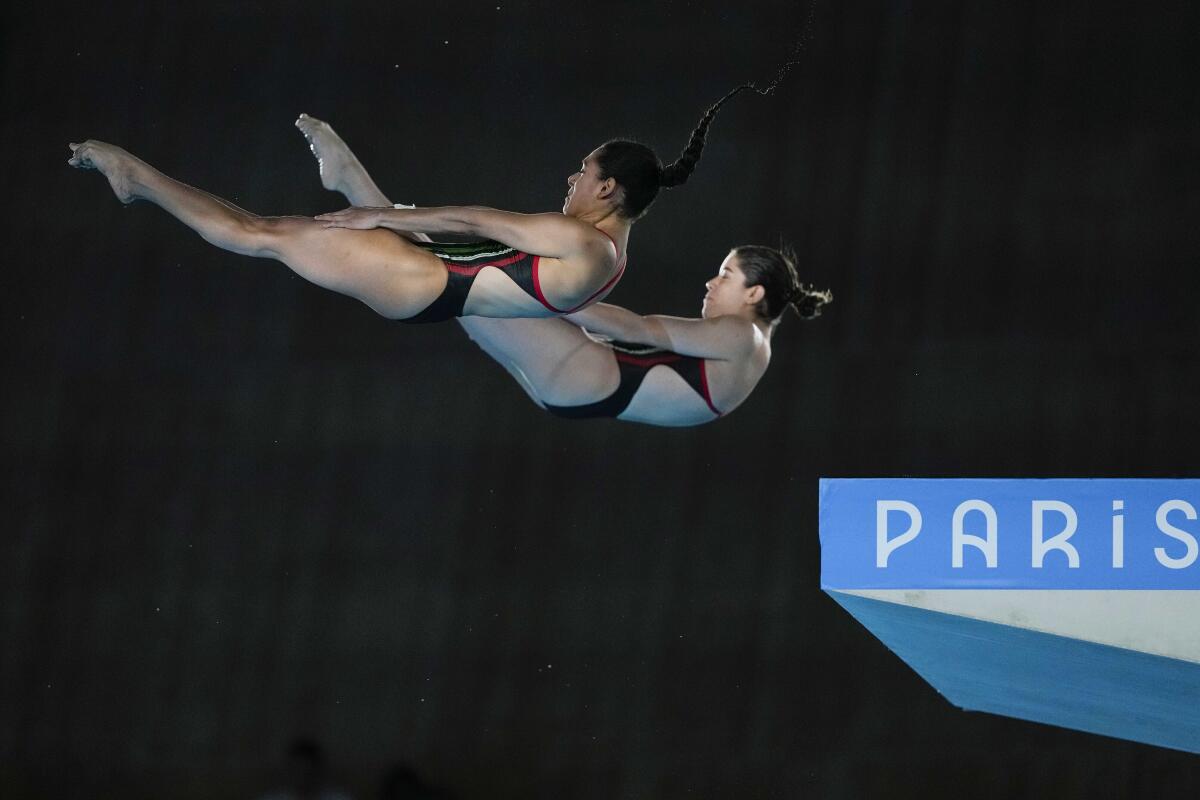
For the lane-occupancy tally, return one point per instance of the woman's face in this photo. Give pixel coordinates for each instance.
(583, 186)
(727, 292)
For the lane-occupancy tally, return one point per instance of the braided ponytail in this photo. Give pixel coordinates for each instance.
(678, 171)
(637, 169)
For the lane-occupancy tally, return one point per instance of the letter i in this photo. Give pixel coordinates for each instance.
(1118, 535)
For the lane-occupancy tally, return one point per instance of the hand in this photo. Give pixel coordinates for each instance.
(355, 217)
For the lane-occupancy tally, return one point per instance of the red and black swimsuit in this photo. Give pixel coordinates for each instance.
(463, 262)
(634, 361)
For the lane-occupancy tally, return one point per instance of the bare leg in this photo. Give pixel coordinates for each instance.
(341, 171)
(551, 359)
(374, 266)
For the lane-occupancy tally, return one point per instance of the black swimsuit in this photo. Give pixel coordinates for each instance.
(634, 361)
(463, 262)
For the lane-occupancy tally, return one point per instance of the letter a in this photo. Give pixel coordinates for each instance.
(958, 539)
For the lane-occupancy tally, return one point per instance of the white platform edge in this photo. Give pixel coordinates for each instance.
(1158, 622)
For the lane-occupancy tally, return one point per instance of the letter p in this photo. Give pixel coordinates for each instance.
(883, 545)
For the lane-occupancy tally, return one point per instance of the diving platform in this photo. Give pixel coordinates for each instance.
(1067, 602)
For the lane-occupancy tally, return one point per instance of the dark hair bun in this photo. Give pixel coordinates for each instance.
(808, 302)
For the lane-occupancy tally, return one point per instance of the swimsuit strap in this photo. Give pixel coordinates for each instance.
(611, 281)
(537, 288)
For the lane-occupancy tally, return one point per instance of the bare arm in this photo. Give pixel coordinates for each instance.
(552, 235)
(724, 338)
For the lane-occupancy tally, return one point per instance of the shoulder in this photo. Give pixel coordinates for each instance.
(742, 336)
(563, 223)
(581, 237)
(594, 240)
(586, 233)
(587, 249)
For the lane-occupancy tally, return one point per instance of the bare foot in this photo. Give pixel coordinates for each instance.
(333, 155)
(111, 161)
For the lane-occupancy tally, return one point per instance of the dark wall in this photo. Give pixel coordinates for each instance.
(238, 507)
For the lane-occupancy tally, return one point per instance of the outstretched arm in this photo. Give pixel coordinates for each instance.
(725, 337)
(553, 235)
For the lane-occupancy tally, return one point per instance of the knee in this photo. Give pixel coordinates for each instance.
(267, 237)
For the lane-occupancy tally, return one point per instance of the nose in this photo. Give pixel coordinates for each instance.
(708, 285)
(572, 178)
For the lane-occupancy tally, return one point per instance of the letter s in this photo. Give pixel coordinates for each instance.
(1176, 533)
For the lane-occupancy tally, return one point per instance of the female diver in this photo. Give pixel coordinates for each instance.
(538, 265)
(678, 372)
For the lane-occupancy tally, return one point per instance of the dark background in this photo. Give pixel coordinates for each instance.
(238, 507)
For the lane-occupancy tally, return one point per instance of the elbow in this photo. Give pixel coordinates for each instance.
(652, 332)
(473, 221)
(466, 225)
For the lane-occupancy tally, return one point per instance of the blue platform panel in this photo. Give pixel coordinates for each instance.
(984, 666)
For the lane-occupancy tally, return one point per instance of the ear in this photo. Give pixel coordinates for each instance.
(755, 294)
(608, 188)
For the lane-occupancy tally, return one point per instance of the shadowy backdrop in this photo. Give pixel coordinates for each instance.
(238, 508)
